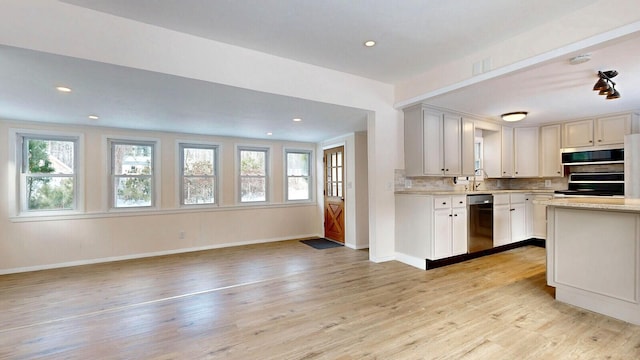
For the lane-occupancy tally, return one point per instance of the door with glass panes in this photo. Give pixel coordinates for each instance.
(334, 194)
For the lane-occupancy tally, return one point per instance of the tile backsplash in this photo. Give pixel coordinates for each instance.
(434, 183)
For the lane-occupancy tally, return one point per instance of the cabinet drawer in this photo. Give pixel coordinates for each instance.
(442, 202)
(500, 199)
(517, 198)
(459, 201)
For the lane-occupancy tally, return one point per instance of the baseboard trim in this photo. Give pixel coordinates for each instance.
(149, 254)
(432, 264)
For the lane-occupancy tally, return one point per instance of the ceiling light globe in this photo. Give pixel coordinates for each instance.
(514, 116)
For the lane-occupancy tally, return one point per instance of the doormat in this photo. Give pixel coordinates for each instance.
(321, 243)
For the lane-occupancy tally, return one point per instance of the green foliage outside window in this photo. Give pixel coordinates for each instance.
(48, 192)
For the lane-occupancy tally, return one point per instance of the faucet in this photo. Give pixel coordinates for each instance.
(474, 186)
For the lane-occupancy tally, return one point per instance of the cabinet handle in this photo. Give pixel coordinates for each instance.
(516, 172)
(444, 203)
(599, 140)
(558, 172)
(460, 202)
(450, 215)
(447, 170)
(442, 169)
(512, 209)
(455, 214)
(527, 199)
(590, 141)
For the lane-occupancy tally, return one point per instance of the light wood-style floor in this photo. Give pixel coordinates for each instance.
(286, 300)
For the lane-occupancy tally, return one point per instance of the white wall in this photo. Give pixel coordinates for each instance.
(45, 26)
(99, 234)
(600, 21)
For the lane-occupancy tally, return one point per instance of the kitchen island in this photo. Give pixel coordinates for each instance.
(593, 254)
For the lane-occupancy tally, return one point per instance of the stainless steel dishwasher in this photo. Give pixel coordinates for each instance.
(480, 229)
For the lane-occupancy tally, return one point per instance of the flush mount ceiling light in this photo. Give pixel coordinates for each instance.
(514, 116)
(369, 43)
(606, 86)
(297, 119)
(93, 117)
(63, 89)
(580, 59)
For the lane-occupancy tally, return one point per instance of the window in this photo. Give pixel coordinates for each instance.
(198, 174)
(132, 173)
(48, 172)
(253, 174)
(298, 164)
(478, 155)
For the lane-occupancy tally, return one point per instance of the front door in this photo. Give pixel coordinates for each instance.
(334, 194)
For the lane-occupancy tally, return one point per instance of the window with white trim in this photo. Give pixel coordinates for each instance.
(48, 172)
(253, 174)
(298, 165)
(132, 173)
(198, 174)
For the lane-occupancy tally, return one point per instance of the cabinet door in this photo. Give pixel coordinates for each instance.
(529, 215)
(526, 152)
(433, 146)
(452, 138)
(501, 219)
(551, 157)
(468, 140)
(507, 151)
(518, 222)
(577, 134)
(441, 233)
(459, 231)
(413, 142)
(540, 217)
(612, 129)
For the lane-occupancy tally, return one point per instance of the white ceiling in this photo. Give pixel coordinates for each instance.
(413, 36)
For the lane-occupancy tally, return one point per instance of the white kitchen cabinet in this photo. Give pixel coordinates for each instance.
(509, 224)
(430, 227)
(612, 129)
(436, 143)
(608, 130)
(525, 145)
(536, 216)
(550, 151)
(577, 134)
(507, 151)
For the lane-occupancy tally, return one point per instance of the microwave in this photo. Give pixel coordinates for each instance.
(588, 157)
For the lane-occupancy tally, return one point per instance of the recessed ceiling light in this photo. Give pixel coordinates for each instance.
(93, 117)
(63, 89)
(297, 119)
(369, 43)
(269, 133)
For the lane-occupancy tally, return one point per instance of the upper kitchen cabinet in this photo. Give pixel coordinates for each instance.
(437, 144)
(526, 152)
(601, 131)
(550, 156)
(498, 152)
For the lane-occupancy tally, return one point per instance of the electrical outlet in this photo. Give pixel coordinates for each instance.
(181, 235)
(547, 183)
(407, 183)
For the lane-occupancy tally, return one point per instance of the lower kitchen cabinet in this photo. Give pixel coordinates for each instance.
(536, 216)
(430, 227)
(509, 219)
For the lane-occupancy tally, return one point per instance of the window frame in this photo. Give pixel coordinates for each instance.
(18, 183)
(216, 172)
(286, 176)
(155, 171)
(267, 176)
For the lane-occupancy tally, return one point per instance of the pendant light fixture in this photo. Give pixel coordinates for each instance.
(605, 86)
(514, 116)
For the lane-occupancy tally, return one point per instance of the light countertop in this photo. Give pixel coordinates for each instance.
(595, 203)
